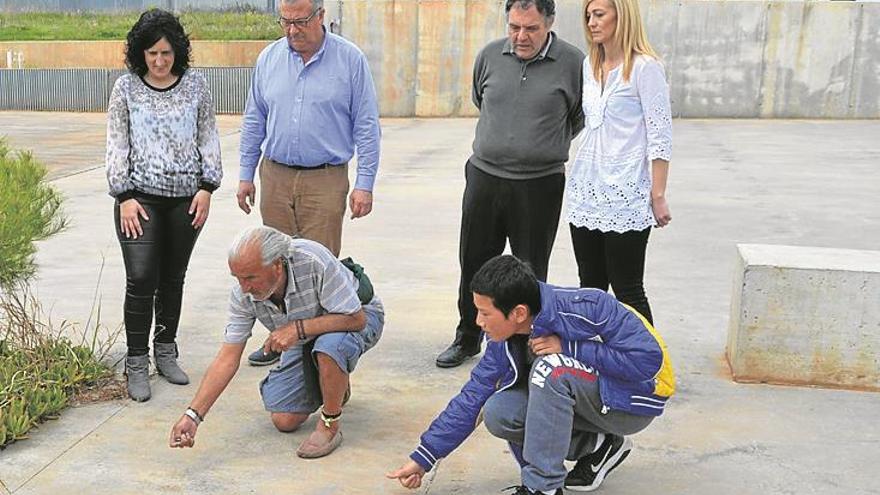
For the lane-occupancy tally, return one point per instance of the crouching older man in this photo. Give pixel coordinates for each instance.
(567, 374)
(309, 302)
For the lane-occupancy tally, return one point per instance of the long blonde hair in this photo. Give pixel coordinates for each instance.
(629, 34)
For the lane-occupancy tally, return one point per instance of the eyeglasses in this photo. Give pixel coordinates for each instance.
(301, 23)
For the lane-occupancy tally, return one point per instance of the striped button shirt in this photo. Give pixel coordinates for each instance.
(317, 284)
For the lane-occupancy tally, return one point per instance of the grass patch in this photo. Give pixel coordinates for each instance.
(237, 24)
(41, 369)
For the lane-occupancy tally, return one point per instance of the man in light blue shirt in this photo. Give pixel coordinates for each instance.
(312, 103)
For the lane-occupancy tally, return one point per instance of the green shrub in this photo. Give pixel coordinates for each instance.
(30, 210)
(40, 366)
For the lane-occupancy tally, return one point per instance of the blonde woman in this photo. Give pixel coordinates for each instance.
(616, 191)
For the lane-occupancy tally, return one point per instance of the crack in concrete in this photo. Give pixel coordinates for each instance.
(68, 449)
(76, 172)
(754, 449)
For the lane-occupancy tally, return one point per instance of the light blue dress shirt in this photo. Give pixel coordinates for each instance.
(314, 113)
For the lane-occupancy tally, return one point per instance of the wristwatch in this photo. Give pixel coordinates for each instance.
(194, 415)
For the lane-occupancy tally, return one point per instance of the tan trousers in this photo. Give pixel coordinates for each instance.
(307, 203)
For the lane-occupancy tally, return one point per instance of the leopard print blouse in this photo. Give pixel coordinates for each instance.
(162, 142)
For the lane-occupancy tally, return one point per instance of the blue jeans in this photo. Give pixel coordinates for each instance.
(294, 387)
(555, 418)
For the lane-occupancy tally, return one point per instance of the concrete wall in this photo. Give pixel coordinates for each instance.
(724, 58)
(111, 54)
(806, 316)
(770, 59)
(785, 59)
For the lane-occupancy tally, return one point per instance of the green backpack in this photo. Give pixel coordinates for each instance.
(365, 287)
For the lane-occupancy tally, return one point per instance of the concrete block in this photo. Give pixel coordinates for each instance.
(806, 316)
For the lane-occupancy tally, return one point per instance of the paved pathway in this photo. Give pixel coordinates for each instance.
(784, 182)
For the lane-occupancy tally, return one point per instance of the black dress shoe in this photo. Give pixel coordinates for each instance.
(456, 354)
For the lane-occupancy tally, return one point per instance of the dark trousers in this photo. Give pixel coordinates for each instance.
(155, 267)
(615, 258)
(493, 211)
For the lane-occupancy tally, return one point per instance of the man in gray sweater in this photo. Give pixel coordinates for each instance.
(528, 89)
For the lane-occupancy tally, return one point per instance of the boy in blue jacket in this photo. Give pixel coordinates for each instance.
(567, 374)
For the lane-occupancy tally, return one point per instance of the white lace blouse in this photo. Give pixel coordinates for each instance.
(627, 126)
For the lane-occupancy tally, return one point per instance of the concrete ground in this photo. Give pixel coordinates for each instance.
(780, 182)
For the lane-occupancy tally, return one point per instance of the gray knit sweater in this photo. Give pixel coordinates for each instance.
(529, 110)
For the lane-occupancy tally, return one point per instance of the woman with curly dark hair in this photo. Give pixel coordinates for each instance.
(163, 163)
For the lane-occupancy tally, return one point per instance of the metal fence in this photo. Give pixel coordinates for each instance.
(88, 90)
(229, 87)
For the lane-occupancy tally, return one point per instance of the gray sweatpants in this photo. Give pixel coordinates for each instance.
(557, 415)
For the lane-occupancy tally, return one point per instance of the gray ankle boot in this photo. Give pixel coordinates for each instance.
(137, 371)
(166, 363)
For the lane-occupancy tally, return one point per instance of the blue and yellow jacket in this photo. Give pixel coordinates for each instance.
(634, 371)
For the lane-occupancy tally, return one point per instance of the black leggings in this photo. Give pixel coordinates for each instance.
(618, 259)
(155, 266)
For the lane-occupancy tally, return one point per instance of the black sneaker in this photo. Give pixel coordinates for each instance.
(591, 470)
(524, 490)
(260, 358)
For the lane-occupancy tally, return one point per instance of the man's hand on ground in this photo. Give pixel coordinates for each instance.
(247, 191)
(183, 434)
(409, 475)
(360, 203)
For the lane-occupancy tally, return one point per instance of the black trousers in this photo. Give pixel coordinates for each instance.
(615, 258)
(493, 211)
(155, 267)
